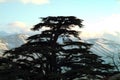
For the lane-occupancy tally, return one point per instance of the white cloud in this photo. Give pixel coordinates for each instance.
(38, 2)
(35, 1)
(109, 25)
(18, 26)
(117, 0)
(1, 1)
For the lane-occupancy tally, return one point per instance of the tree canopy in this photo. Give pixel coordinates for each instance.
(56, 53)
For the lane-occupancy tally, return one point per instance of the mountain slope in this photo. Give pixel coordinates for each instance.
(12, 41)
(109, 50)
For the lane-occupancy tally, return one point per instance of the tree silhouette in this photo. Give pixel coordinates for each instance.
(56, 53)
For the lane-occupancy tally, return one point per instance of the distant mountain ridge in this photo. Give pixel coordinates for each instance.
(104, 45)
(11, 41)
(108, 49)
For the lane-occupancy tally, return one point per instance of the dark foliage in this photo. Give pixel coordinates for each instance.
(57, 53)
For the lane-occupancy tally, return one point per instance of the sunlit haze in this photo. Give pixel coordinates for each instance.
(101, 17)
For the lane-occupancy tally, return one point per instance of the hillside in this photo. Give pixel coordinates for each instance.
(11, 41)
(109, 50)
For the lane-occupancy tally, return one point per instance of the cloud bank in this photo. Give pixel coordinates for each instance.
(106, 27)
(35, 1)
(1, 1)
(106, 24)
(38, 2)
(18, 27)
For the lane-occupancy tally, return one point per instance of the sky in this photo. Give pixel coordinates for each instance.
(100, 16)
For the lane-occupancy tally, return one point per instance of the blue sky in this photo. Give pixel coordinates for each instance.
(99, 15)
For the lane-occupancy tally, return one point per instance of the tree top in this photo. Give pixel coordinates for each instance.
(61, 21)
